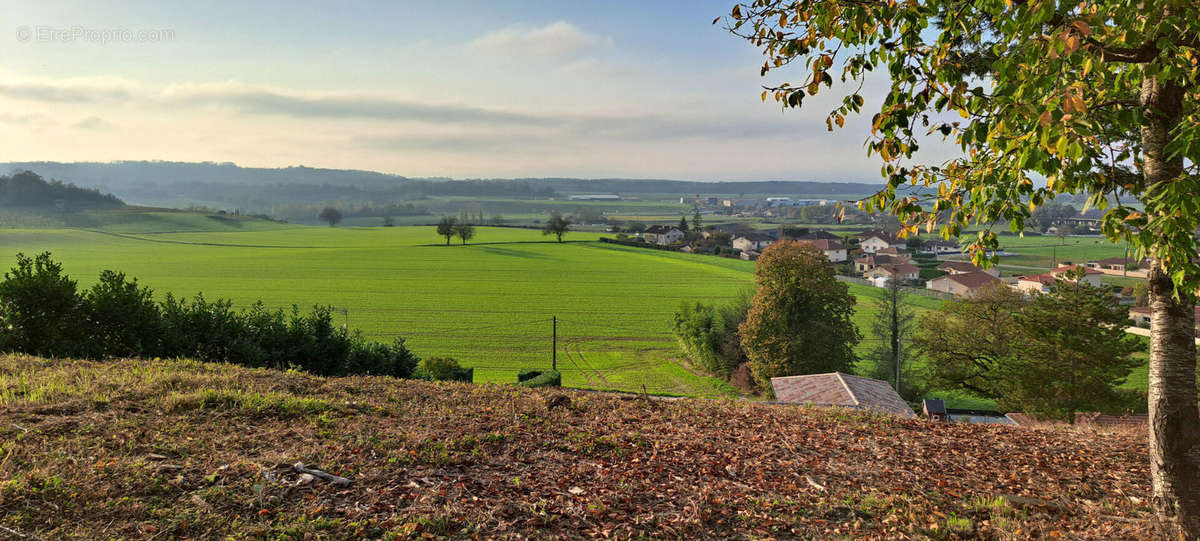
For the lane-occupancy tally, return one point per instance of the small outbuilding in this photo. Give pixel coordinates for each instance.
(840, 389)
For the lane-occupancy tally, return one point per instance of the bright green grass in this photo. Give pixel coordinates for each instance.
(1044, 251)
(488, 304)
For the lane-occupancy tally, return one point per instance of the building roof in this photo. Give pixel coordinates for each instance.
(661, 229)
(818, 235)
(874, 260)
(972, 280)
(838, 389)
(958, 266)
(891, 250)
(825, 244)
(940, 242)
(902, 268)
(1069, 268)
(1046, 279)
(866, 235)
(756, 237)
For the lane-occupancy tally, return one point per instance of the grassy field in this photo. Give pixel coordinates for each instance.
(488, 304)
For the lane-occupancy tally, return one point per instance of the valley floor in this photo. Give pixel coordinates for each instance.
(182, 449)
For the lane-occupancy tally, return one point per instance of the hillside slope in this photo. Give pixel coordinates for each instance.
(166, 449)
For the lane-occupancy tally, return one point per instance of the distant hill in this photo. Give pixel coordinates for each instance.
(30, 192)
(132, 178)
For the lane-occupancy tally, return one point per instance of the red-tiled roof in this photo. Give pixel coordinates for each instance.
(1069, 268)
(838, 389)
(891, 250)
(825, 244)
(1043, 278)
(902, 268)
(958, 266)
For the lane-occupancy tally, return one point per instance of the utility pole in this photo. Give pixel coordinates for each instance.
(345, 312)
(1054, 257)
(554, 348)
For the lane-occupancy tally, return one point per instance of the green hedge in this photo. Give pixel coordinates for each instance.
(539, 378)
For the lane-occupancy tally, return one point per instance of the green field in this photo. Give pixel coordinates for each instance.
(488, 304)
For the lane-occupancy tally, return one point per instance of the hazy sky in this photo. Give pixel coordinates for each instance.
(462, 89)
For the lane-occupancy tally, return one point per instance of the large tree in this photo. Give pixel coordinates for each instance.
(557, 226)
(1051, 356)
(331, 215)
(800, 321)
(446, 228)
(892, 327)
(464, 232)
(1095, 97)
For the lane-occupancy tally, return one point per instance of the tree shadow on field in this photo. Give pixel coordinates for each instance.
(514, 253)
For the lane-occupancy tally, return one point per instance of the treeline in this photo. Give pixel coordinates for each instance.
(29, 191)
(43, 313)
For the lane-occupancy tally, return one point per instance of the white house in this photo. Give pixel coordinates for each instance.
(1092, 277)
(834, 250)
(662, 235)
(904, 272)
(873, 241)
(962, 284)
(753, 242)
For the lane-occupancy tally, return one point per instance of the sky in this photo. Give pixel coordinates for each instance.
(455, 89)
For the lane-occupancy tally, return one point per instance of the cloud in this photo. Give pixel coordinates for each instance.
(67, 91)
(257, 100)
(557, 39)
(10, 118)
(94, 123)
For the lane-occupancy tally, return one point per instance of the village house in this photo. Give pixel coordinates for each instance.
(1034, 283)
(939, 247)
(1121, 266)
(1092, 277)
(753, 242)
(963, 284)
(904, 272)
(834, 250)
(873, 241)
(839, 389)
(1040, 283)
(865, 263)
(1141, 317)
(662, 235)
(963, 267)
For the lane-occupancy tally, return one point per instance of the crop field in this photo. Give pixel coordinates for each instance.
(488, 304)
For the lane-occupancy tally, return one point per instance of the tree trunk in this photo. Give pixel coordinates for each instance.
(1174, 412)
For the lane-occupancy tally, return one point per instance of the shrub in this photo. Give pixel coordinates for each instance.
(544, 378)
(121, 318)
(381, 359)
(41, 313)
(445, 369)
(39, 308)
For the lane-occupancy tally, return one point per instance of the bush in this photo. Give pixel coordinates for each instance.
(539, 378)
(708, 335)
(41, 313)
(39, 309)
(445, 369)
(121, 319)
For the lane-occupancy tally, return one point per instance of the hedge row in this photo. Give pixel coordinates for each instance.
(43, 313)
(539, 378)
